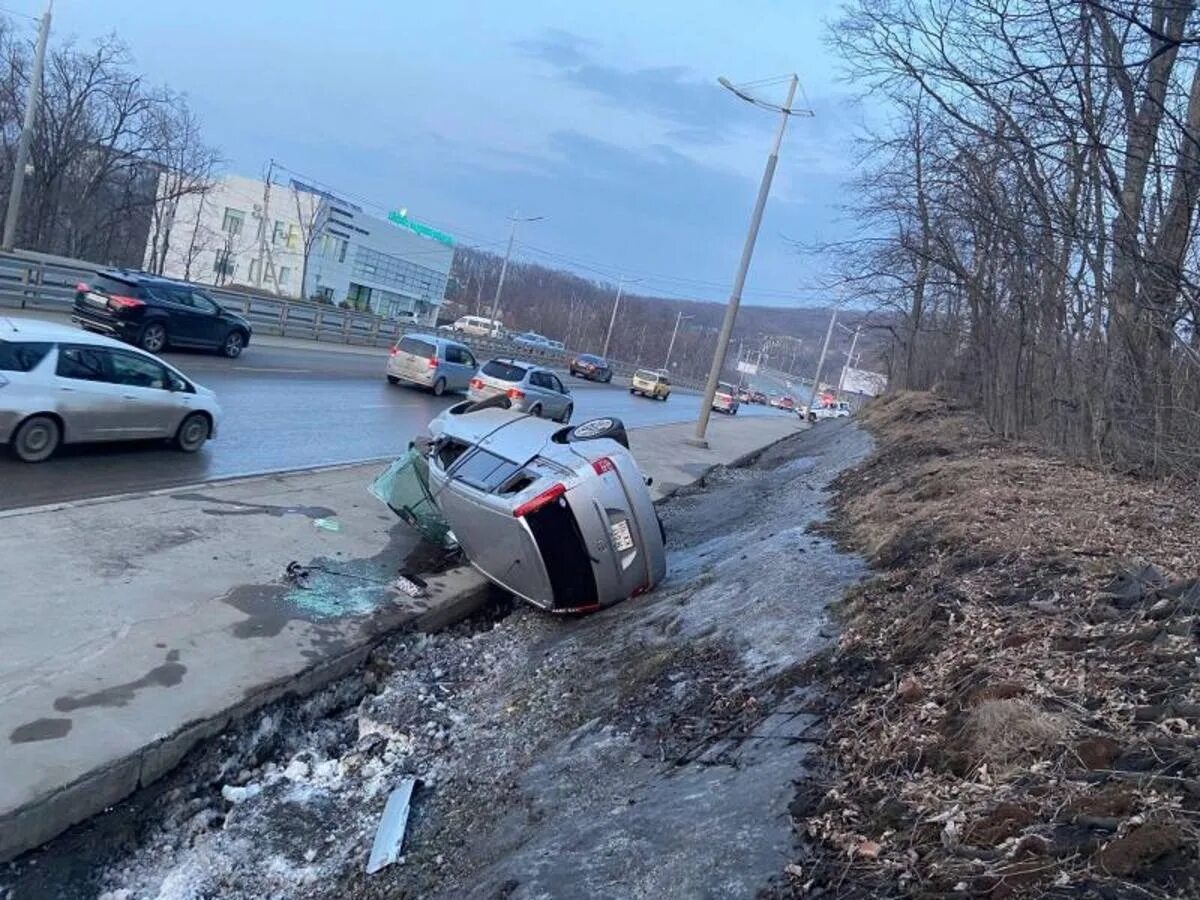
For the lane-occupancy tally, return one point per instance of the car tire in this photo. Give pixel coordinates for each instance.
(565, 418)
(153, 338)
(36, 439)
(632, 391)
(193, 432)
(536, 410)
(439, 387)
(602, 427)
(392, 379)
(234, 344)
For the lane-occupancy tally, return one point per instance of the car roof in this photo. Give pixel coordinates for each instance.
(523, 363)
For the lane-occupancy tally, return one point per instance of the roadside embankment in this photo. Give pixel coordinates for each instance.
(1016, 693)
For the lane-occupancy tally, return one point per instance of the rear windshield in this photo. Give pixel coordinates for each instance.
(416, 347)
(592, 359)
(727, 389)
(485, 471)
(110, 286)
(648, 376)
(22, 356)
(504, 371)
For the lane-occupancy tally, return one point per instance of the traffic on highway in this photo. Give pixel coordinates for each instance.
(277, 407)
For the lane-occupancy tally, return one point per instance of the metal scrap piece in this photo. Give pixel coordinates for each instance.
(389, 837)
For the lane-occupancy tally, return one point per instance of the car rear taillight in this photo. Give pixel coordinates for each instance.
(545, 498)
(603, 465)
(395, 350)
(516, 394)
(477, 383)
(433, 362)
(82, 288)
(118, 302)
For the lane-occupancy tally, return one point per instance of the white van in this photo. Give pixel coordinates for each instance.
(479, 326)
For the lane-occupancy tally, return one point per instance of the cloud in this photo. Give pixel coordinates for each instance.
(558, 47)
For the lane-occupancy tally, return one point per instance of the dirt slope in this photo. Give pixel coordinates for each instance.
(1020, 709)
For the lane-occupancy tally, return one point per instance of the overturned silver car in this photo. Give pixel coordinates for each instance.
(559, 516)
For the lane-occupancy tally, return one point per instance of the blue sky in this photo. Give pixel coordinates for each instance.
(603, 117)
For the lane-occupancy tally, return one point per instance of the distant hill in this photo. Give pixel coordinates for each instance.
(576, 310)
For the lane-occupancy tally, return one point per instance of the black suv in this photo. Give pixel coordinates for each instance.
(154, 313)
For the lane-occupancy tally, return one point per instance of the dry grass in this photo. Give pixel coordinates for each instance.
(1003, 732)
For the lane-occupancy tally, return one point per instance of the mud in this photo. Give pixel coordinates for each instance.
(649, 750)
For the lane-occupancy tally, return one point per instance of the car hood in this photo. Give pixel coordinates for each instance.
(237, 319)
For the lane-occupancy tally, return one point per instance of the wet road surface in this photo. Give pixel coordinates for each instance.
(290, 409)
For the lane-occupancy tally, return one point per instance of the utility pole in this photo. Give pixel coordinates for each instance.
(32, 102)
(512, 236)
(812, 401)
(264, 223)
(739, 282)
(613, 317)
(849, 360)
(679, 317)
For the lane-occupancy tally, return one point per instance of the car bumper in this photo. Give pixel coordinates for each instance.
(105, 324)
(425, 379)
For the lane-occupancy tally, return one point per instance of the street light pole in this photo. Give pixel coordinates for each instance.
(613, 318)
(679, 317)
(812, 400)
(31, 104)
(512, 236)
(739, 282)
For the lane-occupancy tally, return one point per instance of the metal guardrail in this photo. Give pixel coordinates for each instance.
(38, 281)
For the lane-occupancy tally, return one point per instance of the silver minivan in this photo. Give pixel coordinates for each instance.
(433, 362)
(531, 388)
(561, 517)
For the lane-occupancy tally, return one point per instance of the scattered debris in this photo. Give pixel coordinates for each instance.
(411, 585)
(389, 839)
(328, 524)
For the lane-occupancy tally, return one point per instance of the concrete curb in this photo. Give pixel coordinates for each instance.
(461, 592)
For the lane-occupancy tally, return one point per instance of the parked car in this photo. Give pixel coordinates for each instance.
(561, 517)
(531, 388)
(59, 385)
(758, 397)
(479, 326)
(745, 395)
(431, 361)
(156, 313)
(838, 410)
(593, 368)
(725, 399)
(652, 384)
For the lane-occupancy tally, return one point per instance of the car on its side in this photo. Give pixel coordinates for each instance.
(650, 383)
(431, 361)
(531, 388)
(479, 326)
(560, 517)
(725, 399)
(155, 313)
(60, 385)
(591, 367)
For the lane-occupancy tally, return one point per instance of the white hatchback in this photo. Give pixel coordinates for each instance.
(60, 385)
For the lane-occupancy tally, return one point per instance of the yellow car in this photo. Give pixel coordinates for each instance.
(655, 385)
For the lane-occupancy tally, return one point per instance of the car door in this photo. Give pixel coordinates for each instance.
(185, 325)
(543, 395)
(461, 365)
(210, 325)
(90, 404)
(560, 396)
(150, 408)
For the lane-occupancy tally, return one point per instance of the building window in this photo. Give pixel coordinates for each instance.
(254, 267)
(285, 274)
(293, 237)
(232, 223)
(224, 267)
(280, 234)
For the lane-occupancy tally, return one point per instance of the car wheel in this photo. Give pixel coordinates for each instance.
(439, 387)
(632, 391)
(392, 379)
(235, 343)
(536, 410)
(566, 415)
(153, 338)
(603, 427)
(36, 439)
(193, 432)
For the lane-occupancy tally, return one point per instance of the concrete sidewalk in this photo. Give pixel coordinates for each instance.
(136, 626)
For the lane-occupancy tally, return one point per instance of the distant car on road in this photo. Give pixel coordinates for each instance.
(479, 326)
(725, 399)
(786, 403)
(431, 361)
(837, 410)
(156, 313)
(531, 388)
(591, 367)
(745, 395)
(758, 397)
(531, 339)
(59, 385)
(561, 517)
(652, 384)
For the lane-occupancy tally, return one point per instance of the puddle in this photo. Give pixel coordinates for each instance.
(40, 730)
(169, 674)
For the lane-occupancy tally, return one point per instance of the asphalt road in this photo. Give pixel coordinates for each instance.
(287, 408)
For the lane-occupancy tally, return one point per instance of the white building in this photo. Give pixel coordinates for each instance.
(309, 244)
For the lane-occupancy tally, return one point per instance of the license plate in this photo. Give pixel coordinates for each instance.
(622, 539)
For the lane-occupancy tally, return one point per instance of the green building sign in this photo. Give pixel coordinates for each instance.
(401, 218)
